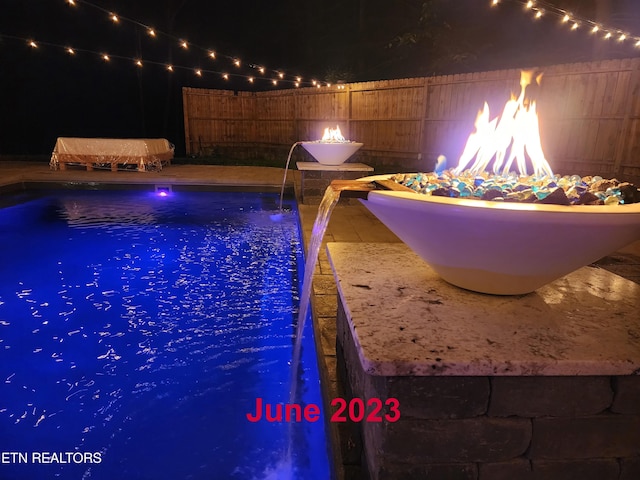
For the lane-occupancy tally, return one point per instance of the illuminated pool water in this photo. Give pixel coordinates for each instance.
(139, 330)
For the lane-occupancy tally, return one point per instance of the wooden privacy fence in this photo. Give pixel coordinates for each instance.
(589, 117)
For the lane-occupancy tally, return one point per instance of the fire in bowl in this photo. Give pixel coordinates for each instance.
(504, 248)
(493, 233)
(333, 149)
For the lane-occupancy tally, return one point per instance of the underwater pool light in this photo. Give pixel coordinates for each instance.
(163, 190)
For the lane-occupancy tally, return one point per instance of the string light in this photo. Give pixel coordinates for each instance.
(152, 32)
(541, 8)
(139, 63)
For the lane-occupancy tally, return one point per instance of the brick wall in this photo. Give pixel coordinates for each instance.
(495, 428)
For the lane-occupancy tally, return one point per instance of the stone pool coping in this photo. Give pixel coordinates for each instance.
(407, 321)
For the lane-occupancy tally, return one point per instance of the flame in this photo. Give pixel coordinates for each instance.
(514, 135)
(333, 135)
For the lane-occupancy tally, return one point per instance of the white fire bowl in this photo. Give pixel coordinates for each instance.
(503, 248)
(331, 153)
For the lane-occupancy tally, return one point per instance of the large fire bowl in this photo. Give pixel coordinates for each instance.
(503, 248)
(331, 153)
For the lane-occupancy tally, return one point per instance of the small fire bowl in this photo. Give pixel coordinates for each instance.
(503, 248)
(331, 153)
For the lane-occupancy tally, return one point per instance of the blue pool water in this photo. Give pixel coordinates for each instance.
(138, 330)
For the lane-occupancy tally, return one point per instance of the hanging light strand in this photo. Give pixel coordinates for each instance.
(183, 43)
(541, 8)
(139, 63)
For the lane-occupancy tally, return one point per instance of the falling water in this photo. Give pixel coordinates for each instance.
(286, 169)
(329, 201)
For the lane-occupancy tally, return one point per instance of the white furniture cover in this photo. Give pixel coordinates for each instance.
(147, 153)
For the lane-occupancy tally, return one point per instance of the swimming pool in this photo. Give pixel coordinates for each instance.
(137, 331)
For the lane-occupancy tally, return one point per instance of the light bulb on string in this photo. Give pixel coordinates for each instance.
(608, 35)
(198, 72)
(33, 44)
(539, 14)
(70, 51)
(138, 62)
(566, 18)
(595, 29)
(529, 5)
(494, 2)
(211, 54)
(236, 62)
(151, 32)
(170, 68)
(184, 44)
(105, 57)
(225, 76)
(250, 79)
(114, 18)
(622, 37)
(71, 2)
(575, 26)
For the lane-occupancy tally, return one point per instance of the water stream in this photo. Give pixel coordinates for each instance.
(286, 169)
(329, 201)
(327, 204)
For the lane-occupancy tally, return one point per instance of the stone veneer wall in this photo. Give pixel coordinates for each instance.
(495, 428)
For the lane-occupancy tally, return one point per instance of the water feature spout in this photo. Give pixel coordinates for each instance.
(286, 169)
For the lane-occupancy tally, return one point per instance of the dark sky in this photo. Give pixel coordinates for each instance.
(46, 93)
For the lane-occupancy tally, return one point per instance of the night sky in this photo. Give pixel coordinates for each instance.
(46, 93)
